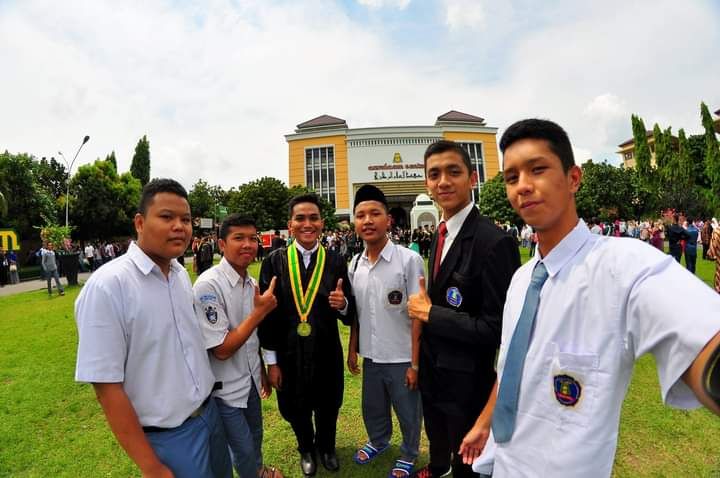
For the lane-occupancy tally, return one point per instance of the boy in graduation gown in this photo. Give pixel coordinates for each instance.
(300, 337)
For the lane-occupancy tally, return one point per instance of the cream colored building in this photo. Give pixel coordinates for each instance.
(335, 160)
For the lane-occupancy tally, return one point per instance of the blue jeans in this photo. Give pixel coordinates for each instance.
(383, 387)
(195, 449)
(244, 431)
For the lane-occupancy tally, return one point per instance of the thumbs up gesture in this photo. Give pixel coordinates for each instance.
(337, 297)
(419, 304)
(265, 302)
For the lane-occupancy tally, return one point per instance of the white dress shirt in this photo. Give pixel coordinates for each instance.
(137, 327)
(454, 224)
(381, 291)
(606, 302)
(223, 300)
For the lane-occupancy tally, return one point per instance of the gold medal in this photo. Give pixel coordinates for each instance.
(304, 329)
(304, 299)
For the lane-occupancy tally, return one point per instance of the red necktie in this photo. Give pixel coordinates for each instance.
(442, 232)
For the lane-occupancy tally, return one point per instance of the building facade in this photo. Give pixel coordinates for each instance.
(326, 155)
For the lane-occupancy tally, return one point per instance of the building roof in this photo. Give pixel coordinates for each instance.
(717, 112)
(648, 134)
(321, 121)
(459, 117)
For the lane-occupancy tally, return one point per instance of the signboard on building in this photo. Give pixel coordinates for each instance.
(206, 223)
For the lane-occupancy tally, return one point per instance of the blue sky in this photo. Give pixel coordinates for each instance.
(215, 85)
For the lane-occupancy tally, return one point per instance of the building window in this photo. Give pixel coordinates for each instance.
(476, 161)
(320, 171)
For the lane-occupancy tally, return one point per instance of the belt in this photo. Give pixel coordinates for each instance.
(196, 413)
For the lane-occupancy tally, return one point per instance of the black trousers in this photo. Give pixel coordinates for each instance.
(321, 436)
(445, 433)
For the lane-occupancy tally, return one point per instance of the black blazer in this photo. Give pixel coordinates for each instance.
(460, 340)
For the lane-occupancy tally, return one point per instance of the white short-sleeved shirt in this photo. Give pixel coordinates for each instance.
(606, 302)
(138, 328)
(223, 300)
(381, 291)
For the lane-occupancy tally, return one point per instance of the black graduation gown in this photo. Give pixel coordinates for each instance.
(312, 367)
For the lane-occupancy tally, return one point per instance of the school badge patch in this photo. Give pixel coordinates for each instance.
(567, 390)
(395, 297)
(211, 314)
(454, 297)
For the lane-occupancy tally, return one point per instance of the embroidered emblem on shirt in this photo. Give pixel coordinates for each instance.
(211, 314)
(454, 297)
(567, 390)
(395, 297)
(205, 298)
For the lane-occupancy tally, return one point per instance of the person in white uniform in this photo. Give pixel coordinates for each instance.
(141, 347)
(229, 308)
(382, 277)
(576, 318)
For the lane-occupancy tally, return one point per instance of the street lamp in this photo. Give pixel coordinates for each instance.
(67, 182)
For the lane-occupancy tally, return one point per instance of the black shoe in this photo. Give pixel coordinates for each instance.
(308, 463)
(330, 461)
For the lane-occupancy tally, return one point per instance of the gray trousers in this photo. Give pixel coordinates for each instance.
(53, 275)
(383, 387)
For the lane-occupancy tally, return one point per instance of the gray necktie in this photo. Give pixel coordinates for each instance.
(503, 422)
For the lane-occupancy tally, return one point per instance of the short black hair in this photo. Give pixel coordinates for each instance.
(301, 198)
(534, 128)
(235, 220)
(157, 186)
(444, 145)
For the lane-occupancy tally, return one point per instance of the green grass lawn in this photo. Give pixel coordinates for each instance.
(52, 426)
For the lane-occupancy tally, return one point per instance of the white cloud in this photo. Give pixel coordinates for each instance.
(460, 14)
(378, 4)
(216, 87)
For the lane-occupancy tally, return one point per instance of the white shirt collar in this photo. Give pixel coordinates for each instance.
(232, 275)
(454, 224)
(143, 261)
(566, 249)
(304, 251)
(386, 253)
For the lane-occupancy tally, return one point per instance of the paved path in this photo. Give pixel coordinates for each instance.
(37, 284)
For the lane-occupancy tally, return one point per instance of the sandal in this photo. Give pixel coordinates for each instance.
(270, 472)
(370, 452)
(403, 467)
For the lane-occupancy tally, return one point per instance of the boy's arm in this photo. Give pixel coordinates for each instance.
(703, 375)
(126, 427)
(475, 440)
(353, 343)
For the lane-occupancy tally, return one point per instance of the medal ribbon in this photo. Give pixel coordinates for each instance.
(304, 300)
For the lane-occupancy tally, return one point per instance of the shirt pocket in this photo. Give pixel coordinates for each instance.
(570, 387)
(393, 291)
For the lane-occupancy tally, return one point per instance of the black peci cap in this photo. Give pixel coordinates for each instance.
(369, 193)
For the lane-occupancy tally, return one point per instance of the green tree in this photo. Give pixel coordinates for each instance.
(265, 200)
(140, 166)
(696, 151)
(604, 192)
(28, 203)
(112, 159)
(493, 201)
(642, 150)
(327, 210)
(712, 155)
(103, 203)
(204, 199)
(3, 205)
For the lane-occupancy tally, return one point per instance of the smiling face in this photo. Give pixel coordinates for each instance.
(165, 229)
(372, 222)
(306, 224)
(449, 181)
(537, 186)
(240, 246)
